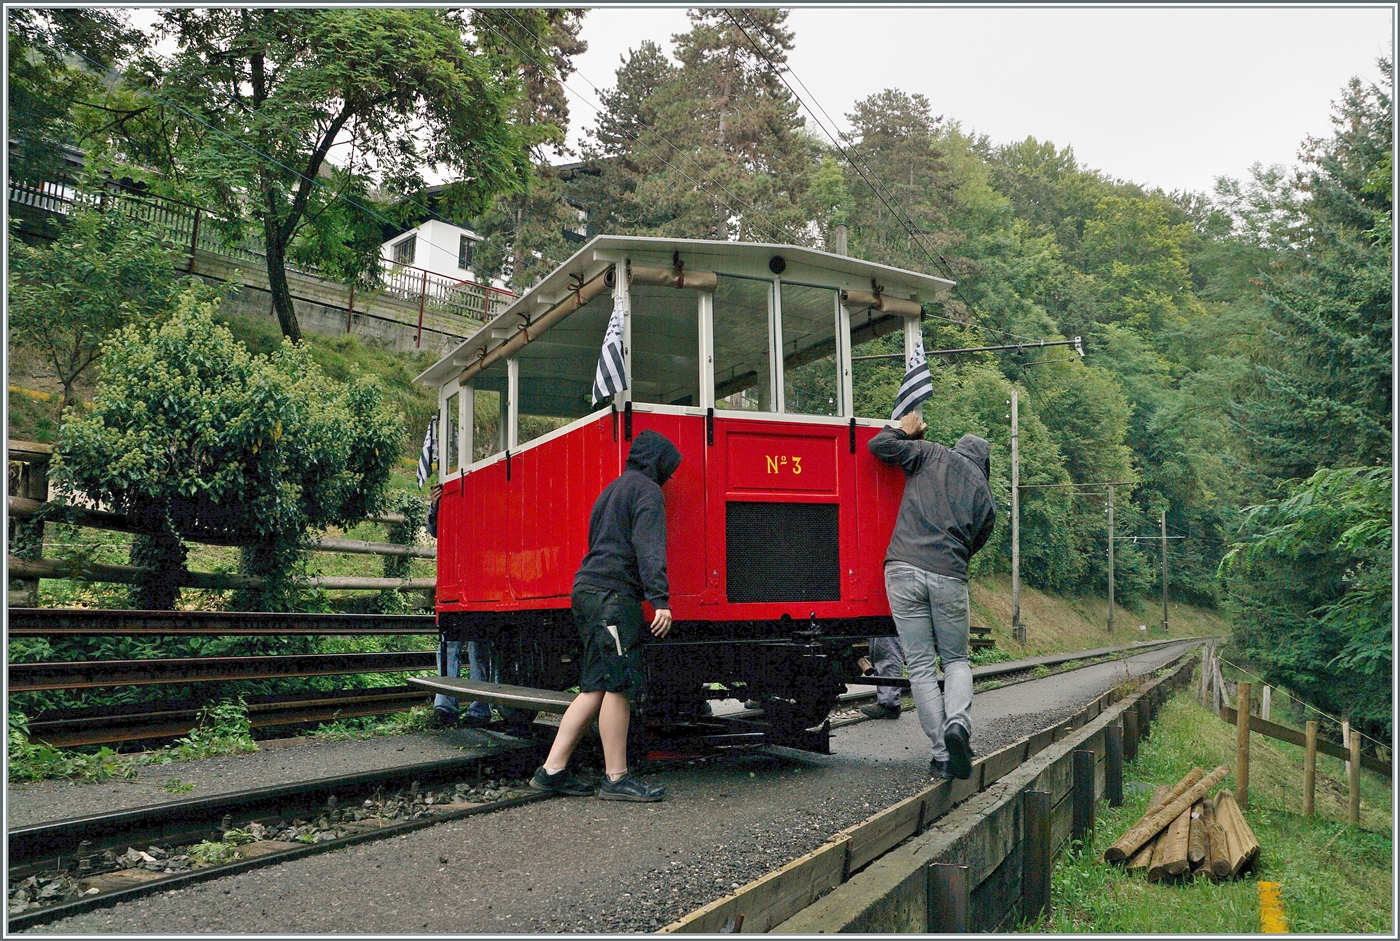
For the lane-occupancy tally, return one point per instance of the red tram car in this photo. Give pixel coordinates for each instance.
(778, 517)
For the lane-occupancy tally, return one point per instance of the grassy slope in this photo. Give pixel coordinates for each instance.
(1063, 623)
(1334, 879)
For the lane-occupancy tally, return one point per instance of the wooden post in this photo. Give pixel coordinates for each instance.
(1196, 838)
(1242, 745)
(1142, 831)
(1130, 733)
(1144, 710)
(1113, 766)
(1222, 696)
(947, 899)
(1142, 859)
(1310, 769)
(1018, 631)
(1083, 797)
(422, 297)
(1037, 860)
(1110, 558)
(1265, 702)
(1346, 741)
(1205, 672)
(1354, 781)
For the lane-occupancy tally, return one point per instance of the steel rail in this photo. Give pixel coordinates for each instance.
(44, 622)
(35, 677)
(111, 725)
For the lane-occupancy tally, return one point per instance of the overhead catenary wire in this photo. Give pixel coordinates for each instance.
(906, 222)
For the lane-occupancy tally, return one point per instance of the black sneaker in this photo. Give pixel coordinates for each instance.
(959, 752)
(565, 782)
(629, 788)
(877, 711)
(442, 719)
(938, 770)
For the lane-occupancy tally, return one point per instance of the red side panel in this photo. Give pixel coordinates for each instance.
(879, 490)
(482, 535)
(685, 507)
(552, 489)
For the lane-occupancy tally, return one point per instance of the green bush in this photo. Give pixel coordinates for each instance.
(197, 437)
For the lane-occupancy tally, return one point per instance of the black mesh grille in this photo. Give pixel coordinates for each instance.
(782, 552)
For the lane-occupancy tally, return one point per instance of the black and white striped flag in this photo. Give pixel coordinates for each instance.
(429, 452)
(612, 370)
(917, 385)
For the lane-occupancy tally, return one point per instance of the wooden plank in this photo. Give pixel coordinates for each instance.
(524, 697)
(1292, 736)
(773, 898)
(881, 833)
(1040, 741)
(1003, 761)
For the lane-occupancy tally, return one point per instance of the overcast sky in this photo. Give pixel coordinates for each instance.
(1163, 97)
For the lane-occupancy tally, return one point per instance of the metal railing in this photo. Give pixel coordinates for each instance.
(195, 230)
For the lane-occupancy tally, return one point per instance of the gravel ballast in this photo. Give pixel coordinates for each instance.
(584, 865)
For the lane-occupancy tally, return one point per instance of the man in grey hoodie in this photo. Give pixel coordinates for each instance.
(625, 562)
(946, 515)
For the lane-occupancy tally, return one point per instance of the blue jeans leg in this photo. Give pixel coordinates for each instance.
(478, 666)
(446, 703)
(887, 656)
(930, 612)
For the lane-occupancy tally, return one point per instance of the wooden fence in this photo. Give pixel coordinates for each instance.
(29, 506)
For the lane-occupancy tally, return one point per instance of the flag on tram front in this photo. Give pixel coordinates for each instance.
(429, 452)
(917, 385)
(611, 377)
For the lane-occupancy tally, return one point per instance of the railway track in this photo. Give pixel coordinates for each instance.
(62, 868)
(65, 867)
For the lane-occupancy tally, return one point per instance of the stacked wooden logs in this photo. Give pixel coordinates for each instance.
(1185, 833)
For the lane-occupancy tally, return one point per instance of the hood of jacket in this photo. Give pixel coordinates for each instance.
(978, 451)
(654, 455)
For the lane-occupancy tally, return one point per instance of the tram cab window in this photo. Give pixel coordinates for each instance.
(811, 365)
(875, 382)
(448, 457)
(742, 337)
(489, 412)
(665, 345)
(557, 369)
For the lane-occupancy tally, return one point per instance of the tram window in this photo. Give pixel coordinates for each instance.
(448, 458)
(875, 382)
(811, 373)
(741, 334)
(665, 345)
(557, 369)
(488, 412)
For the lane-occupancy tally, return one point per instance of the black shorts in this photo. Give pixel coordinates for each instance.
(610, 625)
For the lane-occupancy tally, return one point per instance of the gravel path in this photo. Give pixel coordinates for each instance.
(583, 865)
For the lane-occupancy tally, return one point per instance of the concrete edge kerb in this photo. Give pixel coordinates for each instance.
(889, 894)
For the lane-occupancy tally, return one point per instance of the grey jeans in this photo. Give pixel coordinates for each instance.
(887, 657)
(931, 614)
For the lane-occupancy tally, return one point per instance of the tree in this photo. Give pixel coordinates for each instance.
(193, 436)
(103, 271)
(1323, 390)
(260, 97)
(1311, 593)
(48, 77)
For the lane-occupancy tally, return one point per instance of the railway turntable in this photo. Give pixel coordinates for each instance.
(777, 520)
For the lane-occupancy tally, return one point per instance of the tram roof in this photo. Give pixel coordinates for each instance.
(698, 255)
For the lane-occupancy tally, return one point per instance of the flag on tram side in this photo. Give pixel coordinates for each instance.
(429, 453)
(917, 385)
(611, 377)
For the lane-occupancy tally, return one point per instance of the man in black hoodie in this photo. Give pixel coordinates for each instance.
(625, 562)
(946, 515)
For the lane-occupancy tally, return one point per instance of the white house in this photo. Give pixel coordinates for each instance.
(439, 248)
